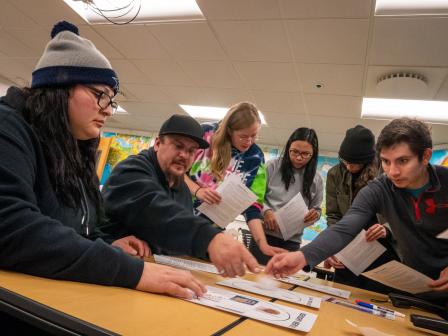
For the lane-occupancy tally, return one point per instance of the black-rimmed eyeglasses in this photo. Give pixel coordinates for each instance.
(103, 99)
(296, 153)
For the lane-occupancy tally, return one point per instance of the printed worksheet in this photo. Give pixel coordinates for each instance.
(290, 217)
(235, 198)
(319, 288)
(360, 254)
(443, 235)
(190, 265)
(257, 309)
(397, 275)
(272, 291)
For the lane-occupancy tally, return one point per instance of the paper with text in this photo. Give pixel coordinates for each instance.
(290, 217)
(235, 198)
(443, 235)
(257, 309)
(274, 292)
(190, 265)
(397, 275)
(360, 254)
(319, 288)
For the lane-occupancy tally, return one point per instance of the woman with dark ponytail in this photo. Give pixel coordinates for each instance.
(50, 204)
(292, 173)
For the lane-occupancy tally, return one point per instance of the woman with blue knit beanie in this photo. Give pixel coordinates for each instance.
(49, 194)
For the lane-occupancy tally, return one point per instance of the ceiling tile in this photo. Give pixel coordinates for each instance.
(287, 102)
(35, 39)
(12, 47)
(254, 40)
(303, 9)
(328, 124)
(410, 42)
(340, 41)
(133, 41)
(150, 109)
(188, 41)
(269, 76)
(164, 72)
(15, 71)
(46, 13)
(335, 79)
(212, 73)
(333, 106)
(286, 120)
(239, 10)
(147, 93)
(100, 43)
(128, 72)
(11, 17)
(442, 93)
(224, 97)
(434, 79)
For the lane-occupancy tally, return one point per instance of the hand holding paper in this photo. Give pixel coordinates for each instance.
(235, 198)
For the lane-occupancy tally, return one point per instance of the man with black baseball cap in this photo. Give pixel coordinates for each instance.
(146, 196)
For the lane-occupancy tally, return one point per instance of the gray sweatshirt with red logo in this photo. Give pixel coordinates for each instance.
(415, 223)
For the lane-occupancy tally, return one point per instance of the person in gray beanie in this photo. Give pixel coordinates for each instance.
(50, 205)
(356, 168)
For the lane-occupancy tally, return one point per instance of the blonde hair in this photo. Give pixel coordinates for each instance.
(239, 116)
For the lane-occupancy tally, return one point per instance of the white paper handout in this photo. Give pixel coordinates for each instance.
(397, 275)
(190, 265)
(320, 288)
(235, 198)
(274, 292)
(443, 234)
(360, 254)
(257, 309)
(290, 217)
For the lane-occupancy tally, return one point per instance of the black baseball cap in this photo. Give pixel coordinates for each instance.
(186, 126)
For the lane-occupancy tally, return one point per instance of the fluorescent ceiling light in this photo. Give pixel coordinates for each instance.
(211, 113)
(120, 11)
(411, 7)
(121, 110)
(426, 110)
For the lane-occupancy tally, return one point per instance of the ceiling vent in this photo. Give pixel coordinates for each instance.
(404, 85)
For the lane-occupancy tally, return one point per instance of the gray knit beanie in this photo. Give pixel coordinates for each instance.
(70, 59)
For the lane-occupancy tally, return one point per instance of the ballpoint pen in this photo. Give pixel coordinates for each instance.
(384, 309)
(375, 312)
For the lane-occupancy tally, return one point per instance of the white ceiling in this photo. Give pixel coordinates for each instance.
(270, 52)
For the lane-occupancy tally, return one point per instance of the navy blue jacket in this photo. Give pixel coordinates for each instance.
(38, 235)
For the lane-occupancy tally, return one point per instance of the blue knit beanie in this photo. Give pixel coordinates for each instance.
(70, 59)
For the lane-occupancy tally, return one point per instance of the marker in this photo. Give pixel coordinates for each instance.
(375, 307)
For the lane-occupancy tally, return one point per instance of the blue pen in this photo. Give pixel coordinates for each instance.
(383, 309)
(380, 313)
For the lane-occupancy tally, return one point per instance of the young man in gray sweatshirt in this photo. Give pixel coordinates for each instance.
(411, 195)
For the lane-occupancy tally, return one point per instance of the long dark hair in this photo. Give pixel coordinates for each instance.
(286, 168)
(69, 161)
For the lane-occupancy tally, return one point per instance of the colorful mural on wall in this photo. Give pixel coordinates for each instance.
(121, 147)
